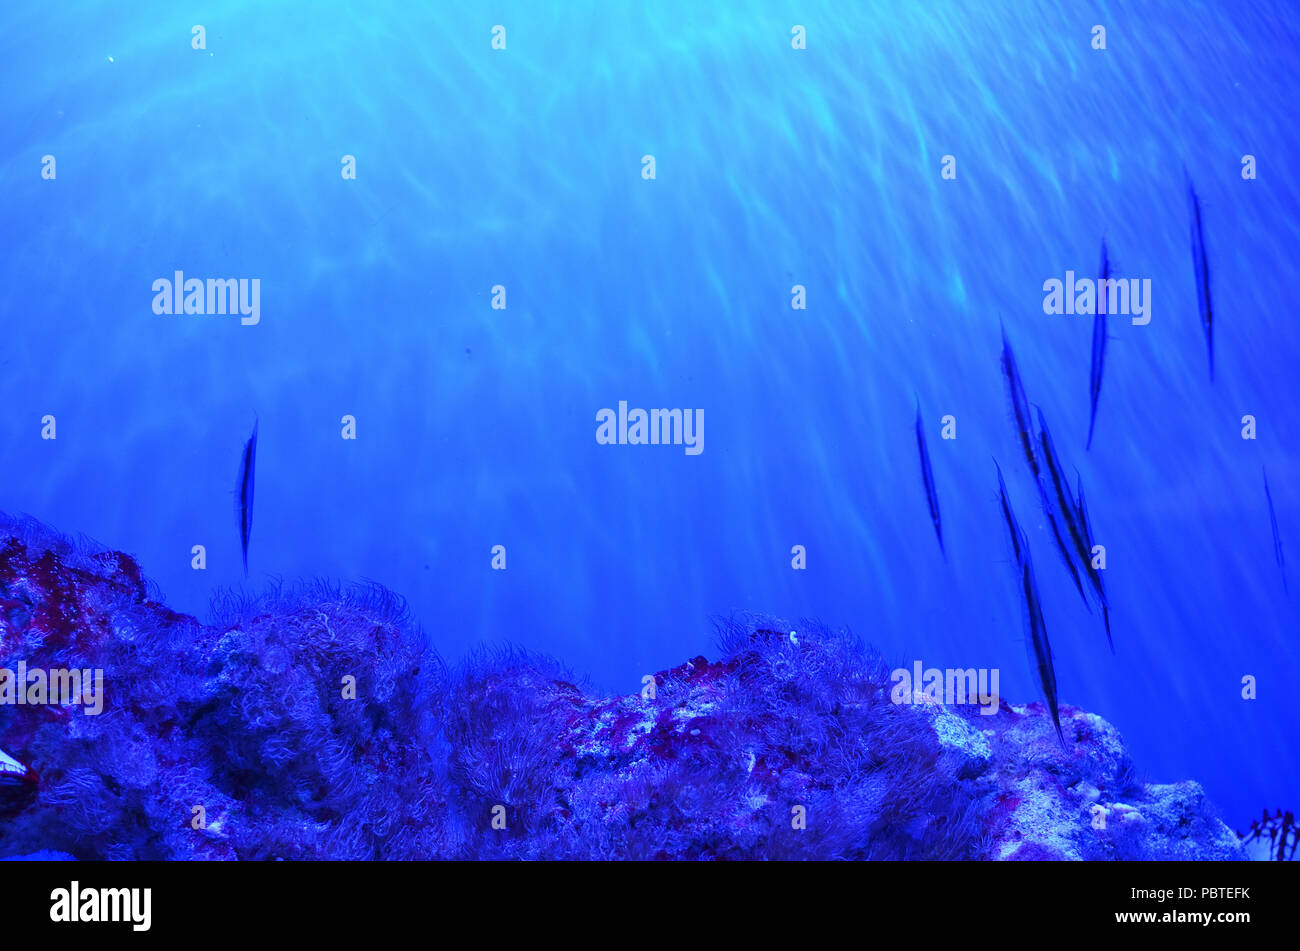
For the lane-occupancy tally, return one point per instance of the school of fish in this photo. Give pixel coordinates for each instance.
(1065, 512)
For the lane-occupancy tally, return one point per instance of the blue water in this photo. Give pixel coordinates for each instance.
(476, 427)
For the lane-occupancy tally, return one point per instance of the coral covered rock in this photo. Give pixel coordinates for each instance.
(315, 724)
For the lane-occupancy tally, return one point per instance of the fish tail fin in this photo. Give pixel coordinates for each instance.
(1078, 585)
(1086, 603)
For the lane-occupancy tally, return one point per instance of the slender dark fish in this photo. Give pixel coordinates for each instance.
(927, 475)
(244, 493)
(1202, 267)
(1065, 501)
(1074, 520)
(1061, 545)
(1019, 402)
(1040, 650)
(1012, 525)
(1277, 537)
(1098, 341)
(1094, 574)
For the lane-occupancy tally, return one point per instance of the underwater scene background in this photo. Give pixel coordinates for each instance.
(822, 167)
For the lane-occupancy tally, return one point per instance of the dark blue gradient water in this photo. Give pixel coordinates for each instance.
(775, 167)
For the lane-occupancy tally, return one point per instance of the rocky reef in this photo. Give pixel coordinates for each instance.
(313, 723)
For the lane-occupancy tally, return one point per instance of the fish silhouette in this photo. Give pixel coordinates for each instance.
(927, 476)
(1201, 265)
(1098, 343)
(1040, 649)
(244, 493)
(1019, 402)
(1009, 516)
(1095, 575)
(1277, 537)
